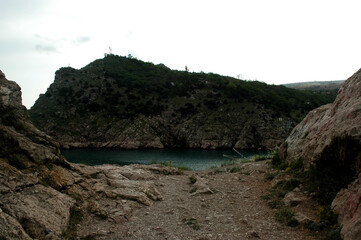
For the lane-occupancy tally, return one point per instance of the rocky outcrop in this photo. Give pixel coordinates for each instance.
(329, 139)
(339, 120)
(260, 131)
(45, 197)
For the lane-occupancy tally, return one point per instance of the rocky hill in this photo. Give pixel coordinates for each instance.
(328, 141)
(120, 102)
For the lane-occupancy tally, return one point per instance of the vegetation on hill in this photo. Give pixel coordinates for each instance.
(123, 88)
(328, 87)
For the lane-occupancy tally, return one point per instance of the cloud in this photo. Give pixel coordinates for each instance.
(46, 49)
(81, 39)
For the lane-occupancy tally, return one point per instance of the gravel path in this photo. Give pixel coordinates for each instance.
(220, 205)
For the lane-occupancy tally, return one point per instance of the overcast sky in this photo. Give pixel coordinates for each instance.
(278, 41)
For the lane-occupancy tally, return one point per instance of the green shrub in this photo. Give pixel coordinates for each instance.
(228, 162)
(193, 190)
(234, 170)
(333, 234)
(285, 216)
(336, 168)
(278, 163)
(276, 204)
(76, 216)
(258, 158)
(328, 217)
(314, 226)
(270, 176)
(192, 222)
(184, 168)
(295, 166)
(284, 187)
(219, 170)
(192, 179)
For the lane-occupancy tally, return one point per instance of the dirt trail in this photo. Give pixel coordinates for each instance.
(220, 205)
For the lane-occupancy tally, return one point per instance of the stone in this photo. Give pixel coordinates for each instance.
(301, 218)
(294, 198)
(201, 187)
(40, 210)
(252, 234)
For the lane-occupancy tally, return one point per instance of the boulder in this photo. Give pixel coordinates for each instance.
(340, 120)
(294, 198)
(40, 210)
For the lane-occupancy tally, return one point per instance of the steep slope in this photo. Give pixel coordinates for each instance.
(329, 141)
(45, 197)
(120, 102)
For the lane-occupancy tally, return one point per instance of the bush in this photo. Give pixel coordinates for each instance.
(76, 216)
(234, 170)
(333, 234)
(285, 216)
(257, 158)
(295, 166)
(278, 163)
(192, 179)
(191, 222)
(328, 217)
(313, 226)
(270, 176)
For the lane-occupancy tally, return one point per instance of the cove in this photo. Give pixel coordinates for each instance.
(195, 159)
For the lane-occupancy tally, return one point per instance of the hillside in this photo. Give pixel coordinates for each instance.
(120, 102)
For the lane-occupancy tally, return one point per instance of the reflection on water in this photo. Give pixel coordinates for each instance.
(194, 159)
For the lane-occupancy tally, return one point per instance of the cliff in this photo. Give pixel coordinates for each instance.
(119, 102)
(45, 197)
(328, 140)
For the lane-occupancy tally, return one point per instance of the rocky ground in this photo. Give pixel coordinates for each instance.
(223, 203)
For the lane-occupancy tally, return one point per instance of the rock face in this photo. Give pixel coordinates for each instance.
(320, 128)
(118, 102)
(45, 197)
(348, 204)
(330, 139)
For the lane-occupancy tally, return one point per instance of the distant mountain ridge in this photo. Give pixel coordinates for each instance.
(316, 85)
(120, 102)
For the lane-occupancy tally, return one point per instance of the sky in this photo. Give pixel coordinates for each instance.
(276, 42)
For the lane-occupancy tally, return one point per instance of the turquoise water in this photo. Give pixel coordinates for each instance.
(194, 159)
